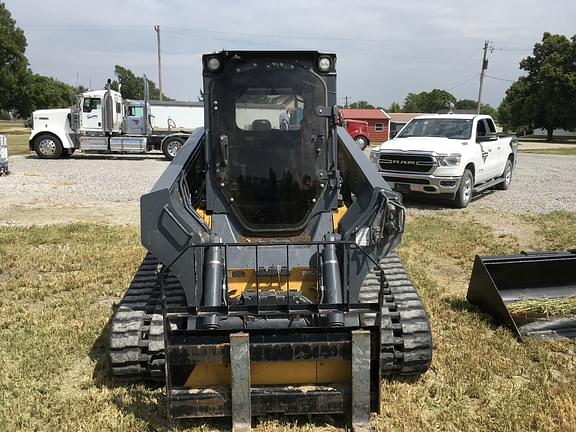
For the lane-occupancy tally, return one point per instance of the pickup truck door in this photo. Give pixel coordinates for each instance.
(92, 114)
(490, 164)
(502, 148)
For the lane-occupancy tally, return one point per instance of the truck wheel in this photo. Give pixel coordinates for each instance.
(48, 147)
(464, 193)
(362, 141)
(507, 176)
(171, 147)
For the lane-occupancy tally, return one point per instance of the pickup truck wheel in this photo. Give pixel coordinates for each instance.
(171, 147)
(362, 141)
(48, 147)
(464, 193)
(507, 176)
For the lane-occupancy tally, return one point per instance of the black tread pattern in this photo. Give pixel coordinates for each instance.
(405, 334)
(137, 331)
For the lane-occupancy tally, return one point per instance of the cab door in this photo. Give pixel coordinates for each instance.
(134, 121)
(502, 149)
(488, 143)
(92, 114)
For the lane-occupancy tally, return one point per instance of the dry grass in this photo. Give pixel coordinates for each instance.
(58, 283)
(543, 307)
(17, 136)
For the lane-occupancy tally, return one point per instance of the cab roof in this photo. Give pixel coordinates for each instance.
(452, 116)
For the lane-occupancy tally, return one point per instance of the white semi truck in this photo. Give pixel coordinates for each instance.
(102, 121)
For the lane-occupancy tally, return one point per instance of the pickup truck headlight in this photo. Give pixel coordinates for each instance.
(452, 159)
(374, 157)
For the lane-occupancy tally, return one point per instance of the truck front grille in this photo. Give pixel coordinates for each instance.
(406, 163)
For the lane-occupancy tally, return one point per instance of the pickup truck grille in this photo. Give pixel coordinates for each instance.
(406, 163)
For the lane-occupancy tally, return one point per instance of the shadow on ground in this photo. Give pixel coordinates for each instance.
(431, 203)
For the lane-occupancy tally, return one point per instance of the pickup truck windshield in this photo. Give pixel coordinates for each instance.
(445, 128)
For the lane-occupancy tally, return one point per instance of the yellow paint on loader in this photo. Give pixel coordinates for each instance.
(274, 373)
(207, 218)
(337, 215)
(301, 279)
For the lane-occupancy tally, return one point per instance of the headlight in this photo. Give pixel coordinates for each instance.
(452, 159)
(213, 64)
(324, 64)
(374, 156)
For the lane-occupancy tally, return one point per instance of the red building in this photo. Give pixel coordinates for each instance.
(378, 121)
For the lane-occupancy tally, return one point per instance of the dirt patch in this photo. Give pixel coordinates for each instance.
(504, 225)
(114, 213)
(509, 225)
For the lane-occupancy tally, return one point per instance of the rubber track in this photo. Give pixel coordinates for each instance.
(405, 335)
(137, 331)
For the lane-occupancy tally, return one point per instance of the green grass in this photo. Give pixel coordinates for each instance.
(553, 151)
(542, 139)
(17, 136)
(58, 282)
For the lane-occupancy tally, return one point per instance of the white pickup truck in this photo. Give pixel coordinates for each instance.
(448, 156)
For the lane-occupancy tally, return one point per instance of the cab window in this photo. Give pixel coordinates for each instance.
(91, 104)
(481, 128)
(135, 111)
(491, 126)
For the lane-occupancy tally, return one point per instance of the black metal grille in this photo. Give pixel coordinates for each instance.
(406, 180)
(406, 163)
(287, 305)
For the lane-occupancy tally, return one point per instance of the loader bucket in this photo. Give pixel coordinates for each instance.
(533, 293)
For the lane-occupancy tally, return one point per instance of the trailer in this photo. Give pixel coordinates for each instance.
(102, 121)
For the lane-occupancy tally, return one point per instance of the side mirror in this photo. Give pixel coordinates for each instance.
(489, 137)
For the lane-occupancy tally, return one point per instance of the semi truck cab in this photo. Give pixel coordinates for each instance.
(102, 121)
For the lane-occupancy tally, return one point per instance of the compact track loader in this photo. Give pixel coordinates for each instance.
(271, 285)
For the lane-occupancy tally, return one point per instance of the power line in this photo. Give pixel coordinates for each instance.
(464, 82)
(499, 79)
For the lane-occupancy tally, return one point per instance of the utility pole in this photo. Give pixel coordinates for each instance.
(482, 72)
(157, 30)
(346, 101)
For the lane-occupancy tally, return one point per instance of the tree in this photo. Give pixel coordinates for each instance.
(465, 104)
(394, 108)
(361, 104)
(20, 89)
(514, 112)
(428, 102)
(471, 105)
(132, 86)
(45, 92)
(14, 72)
(546, 97)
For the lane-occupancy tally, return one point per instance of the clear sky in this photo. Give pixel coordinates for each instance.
(385, 49)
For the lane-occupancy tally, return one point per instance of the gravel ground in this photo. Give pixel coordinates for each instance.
(540, 184)
(107, 189)
(82, 188)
